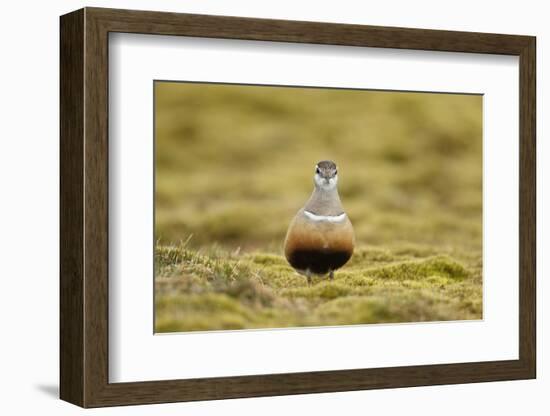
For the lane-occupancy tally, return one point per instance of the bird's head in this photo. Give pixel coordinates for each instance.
(326, 175)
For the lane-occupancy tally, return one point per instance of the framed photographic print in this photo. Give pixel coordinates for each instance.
(255, 207)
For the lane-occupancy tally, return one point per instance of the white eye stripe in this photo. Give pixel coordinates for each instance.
(329, 218)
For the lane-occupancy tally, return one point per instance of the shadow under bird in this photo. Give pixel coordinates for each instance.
(320, 238)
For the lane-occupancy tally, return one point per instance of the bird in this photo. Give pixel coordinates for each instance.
(320, 238)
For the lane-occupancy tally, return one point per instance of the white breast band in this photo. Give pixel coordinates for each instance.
(329, 218)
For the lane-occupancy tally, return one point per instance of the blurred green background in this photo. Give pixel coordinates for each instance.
(234, 163)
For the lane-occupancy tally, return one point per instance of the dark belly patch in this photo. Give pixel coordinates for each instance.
(318, 261)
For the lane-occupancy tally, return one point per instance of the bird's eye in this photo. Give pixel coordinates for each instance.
(318, 170)
(336, 172)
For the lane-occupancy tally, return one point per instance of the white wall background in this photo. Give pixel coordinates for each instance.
(29, 158)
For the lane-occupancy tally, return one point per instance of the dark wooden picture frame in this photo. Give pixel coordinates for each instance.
(84, 207)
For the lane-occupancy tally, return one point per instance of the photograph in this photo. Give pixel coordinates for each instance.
(273, 204)
(308, 206)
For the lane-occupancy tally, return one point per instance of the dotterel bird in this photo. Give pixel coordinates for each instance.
(320, 238)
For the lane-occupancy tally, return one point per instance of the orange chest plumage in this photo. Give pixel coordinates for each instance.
(319, 244)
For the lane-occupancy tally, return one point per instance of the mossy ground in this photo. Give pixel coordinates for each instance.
(234, 164)
(224, 290)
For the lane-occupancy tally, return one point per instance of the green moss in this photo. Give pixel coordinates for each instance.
(259, 290)
(415, 250)
(371, 255)
(318, 292)
(419, 269)
(268, 259)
